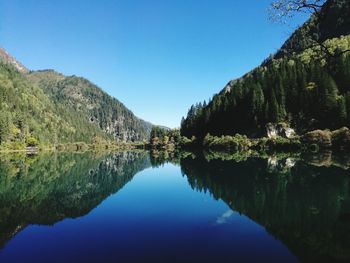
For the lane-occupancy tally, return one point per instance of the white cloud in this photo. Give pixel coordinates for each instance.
(224, 217)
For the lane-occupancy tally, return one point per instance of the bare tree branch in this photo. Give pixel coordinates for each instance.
(282, 10)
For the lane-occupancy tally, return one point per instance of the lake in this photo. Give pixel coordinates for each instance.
(185, 207)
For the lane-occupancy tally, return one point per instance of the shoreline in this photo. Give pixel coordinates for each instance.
(76, 147)
(312, 141)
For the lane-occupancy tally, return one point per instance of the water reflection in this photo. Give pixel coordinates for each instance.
(48, 188)
(303, 202)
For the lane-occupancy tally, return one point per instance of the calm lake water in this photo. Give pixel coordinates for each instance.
(137, 207)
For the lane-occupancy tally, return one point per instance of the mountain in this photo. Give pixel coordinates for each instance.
(46, 107)
(80, 95)
(8, 59)
(335, 22)
(301, 84)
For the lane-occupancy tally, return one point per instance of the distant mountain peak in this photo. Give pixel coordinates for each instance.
(7, 58)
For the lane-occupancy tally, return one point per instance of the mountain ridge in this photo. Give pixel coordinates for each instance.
(332, 24)
(5, 57)
(71, 87)
(302, 88)
(49, 108)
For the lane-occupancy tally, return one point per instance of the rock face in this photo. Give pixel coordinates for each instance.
(274, 130)
(338, 139)
(321, 138)
(280, 165)
(341, 138)
(8, 59)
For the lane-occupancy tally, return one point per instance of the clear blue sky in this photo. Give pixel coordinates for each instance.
(156, 56)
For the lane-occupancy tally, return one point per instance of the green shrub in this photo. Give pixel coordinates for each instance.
(237, 142)
(13, 146)
(278, 143)
(31, 141)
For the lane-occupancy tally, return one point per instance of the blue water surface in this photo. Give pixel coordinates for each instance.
(157, 217)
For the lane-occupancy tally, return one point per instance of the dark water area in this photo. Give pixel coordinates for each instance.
(143, 207)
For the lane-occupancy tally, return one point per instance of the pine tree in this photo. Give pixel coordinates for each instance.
(274, 108)
(4, 126)
(342, 110)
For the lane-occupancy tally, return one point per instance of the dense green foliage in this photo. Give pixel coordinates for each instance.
(28, 116)
(233, 143)
(162, 138)
(80, 95)
(308, 89)
(48, 108)
(303, 91)
(240, 144)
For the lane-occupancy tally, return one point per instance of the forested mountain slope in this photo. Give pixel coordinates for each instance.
(80, 95)
(45, 107)
(335, 22)
(308, 89)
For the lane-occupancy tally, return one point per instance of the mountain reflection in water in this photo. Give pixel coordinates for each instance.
(303, 201)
